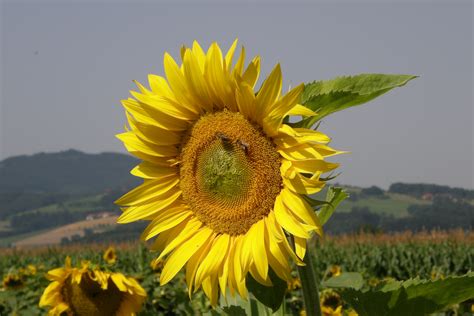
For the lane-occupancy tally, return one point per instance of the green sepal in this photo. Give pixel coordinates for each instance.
(327, 97)
(334, 197)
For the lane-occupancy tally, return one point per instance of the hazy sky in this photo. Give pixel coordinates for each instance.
(65, 67)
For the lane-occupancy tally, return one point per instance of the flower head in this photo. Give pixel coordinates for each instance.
(13, 281)
(335, 270)
(85, 291)
(224, 175)
(110, 257)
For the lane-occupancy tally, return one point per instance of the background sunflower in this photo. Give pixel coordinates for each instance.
(87, 291)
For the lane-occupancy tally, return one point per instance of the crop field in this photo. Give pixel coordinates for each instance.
(435, 255)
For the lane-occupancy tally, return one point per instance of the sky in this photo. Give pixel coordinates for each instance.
(66, 66)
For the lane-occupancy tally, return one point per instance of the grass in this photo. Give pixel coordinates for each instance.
(85, 204)
(7, 241)
(396, 205)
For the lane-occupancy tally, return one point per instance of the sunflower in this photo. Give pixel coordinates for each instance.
(85, 291)
(110, 257)
(335, 271)
(225, 177)
(13, 281)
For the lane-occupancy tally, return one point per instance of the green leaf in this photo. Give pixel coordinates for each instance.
(234, 310)
(326, 97)
(270, 296)
(411, 297)
(345, 280)
(334, 197)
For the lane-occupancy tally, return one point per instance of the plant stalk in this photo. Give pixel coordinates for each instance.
(309, 285)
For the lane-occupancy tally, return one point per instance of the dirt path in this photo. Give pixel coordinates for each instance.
(54, 236)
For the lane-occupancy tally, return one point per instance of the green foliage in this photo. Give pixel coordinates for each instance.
(345, 280)
(412, 297)
(419, 189)
(334, 197)
(271, 297)
(374, 261)
(326, 97)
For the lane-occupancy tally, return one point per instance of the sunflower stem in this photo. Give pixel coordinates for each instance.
(309, 285)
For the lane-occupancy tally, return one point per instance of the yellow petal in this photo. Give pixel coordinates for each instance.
(148, 170)
(154, 134)
(258, 236)
(224, 269)
(161, 108)
(302, 110)
(193, 264)
(211, 288)
(252, 72)
(301, 208)
(189, 229)
(166, 220)
(269, 92)
(313, 166)
(230, 55)
(160, 87)
(288, 250)
(246, 101)
(150, 209)
(276, 257)
(195, 80)
(287, 220)
(245, 254)
(177, 82)
(147, 191)
(256, 275)
(160, 161)
(300, 247)
(289, 137)
(303, 185)
(136, 144)
(239, 65)
(286, 103)
(214, 259)
(181, 255)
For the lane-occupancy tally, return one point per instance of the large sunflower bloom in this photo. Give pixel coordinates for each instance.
(224, 176)
(91, 292)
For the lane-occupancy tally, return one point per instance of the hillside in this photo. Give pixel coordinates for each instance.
(69, 172)
(42, 195)
(50, 179)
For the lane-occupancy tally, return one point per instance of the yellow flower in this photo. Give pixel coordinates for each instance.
(91, 292)
(29, 270)
(110, 256)
(329, 311)
(331, 303)
(224, 176)
(352, 312)
(335, 270)
(12, 281)
(294, 284)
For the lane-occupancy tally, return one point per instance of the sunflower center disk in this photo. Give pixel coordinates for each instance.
(230, 172)
(88, 299)
(223, 172)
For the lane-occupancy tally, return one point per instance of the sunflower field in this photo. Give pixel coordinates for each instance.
(379, 259)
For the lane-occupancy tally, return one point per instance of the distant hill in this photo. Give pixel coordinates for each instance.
(69, 172)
